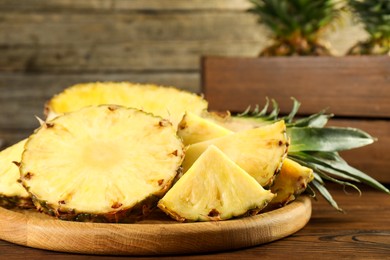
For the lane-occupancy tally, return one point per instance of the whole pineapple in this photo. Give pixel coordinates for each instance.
(375, 16)
(295, 25)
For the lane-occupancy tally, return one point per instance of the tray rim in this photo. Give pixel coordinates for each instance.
(154, 238)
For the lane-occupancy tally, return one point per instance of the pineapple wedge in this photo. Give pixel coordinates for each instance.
(194, 129)
(12, 193)
(259, 151)
(167, 102)
(214, 188)
(290, 182)
(101, 163)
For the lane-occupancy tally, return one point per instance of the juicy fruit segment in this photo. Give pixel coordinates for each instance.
(194, 129)
(290, 182)
(214, 188)
(105, 163)
(260, 151)
(12, 193)
(167, 102)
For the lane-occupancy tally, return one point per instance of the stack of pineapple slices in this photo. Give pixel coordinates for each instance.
(95, 161)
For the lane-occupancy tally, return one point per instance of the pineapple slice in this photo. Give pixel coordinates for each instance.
(259, 151)
(194, 129)
(12, 193)
(101, 163)
(290, 182)
(167, 102)
(214, 188)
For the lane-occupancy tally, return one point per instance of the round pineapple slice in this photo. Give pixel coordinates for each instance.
(214, 188)
(167, 102)
(12, 193)
(101, 163)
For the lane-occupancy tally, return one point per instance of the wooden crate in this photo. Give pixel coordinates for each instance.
(355, 89)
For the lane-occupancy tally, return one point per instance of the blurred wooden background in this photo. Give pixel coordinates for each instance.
(46, 46)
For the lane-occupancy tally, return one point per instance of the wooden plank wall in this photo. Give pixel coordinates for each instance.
(355, 89)
(46, 46)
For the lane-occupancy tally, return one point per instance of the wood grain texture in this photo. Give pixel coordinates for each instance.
(348, 86)
(111, 42)
(363, 232)
(125, 5)
(152, 237)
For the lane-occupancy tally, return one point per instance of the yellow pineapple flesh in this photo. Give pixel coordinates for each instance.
(290, 182)
(214, 188)
(259, 151)
(12, 193)
(235, 124)
(194, 129)
(167, 102)
(101, 163)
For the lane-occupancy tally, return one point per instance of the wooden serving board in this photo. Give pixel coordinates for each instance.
(158, 235)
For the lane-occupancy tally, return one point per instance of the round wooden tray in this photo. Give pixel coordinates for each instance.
(157, 235)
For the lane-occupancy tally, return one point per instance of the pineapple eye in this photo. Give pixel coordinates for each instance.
(116, 205)
(49, 125)
(28, 175)
(213, 213)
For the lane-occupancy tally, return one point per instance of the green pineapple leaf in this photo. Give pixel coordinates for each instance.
(325, 193)
(288, 119)
(314, 165)
(327, 139)
(316, 120)
(338, 164)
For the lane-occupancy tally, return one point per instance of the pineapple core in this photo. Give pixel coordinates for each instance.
(214, 188)
(100, 160)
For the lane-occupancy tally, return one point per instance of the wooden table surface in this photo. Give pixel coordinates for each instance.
(362, 232)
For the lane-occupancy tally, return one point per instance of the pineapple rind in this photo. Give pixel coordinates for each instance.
(11, 202)
(130, 215)
(12, 193)
(101, 163)
(214, 188)
(168, 102)
(291, 181)
(259, 151)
